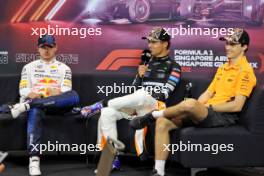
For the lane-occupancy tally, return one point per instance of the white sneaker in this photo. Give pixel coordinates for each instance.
(19, 108)
(95, 171)
(34, 168)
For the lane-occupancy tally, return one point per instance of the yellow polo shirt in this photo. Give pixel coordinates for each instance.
(231, 80)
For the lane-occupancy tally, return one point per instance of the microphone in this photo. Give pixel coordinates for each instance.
(145, 56)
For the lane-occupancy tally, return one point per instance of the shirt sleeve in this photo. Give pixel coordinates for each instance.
(246, 82)
(66, 84)
(173, 81)
(25, 83)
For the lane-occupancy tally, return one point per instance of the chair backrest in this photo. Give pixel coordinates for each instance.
(252, 115)
(198, 87)
(9, 88)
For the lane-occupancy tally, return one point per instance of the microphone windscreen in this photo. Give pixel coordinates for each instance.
(145, 56)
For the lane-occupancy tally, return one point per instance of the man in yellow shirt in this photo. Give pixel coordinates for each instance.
(217, 106)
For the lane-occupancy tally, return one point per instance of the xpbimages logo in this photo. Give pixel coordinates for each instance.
(66, 31)
(198, 31)
(122, 88)
(58, 147)
(192, 147)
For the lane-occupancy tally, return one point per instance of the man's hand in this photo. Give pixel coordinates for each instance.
(142, 69)
(53, 91)
(33, 95)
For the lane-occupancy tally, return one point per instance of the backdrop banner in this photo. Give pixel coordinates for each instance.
(104, 36)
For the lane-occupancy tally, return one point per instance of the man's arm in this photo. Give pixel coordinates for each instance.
(25, 84)
(66, 83)
(245, 84)
(53, 91)
(209, 93)
(205, 97)
(172, 82)
(141, 71)
(232, 106)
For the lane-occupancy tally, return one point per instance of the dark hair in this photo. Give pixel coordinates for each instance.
(244, 40)
(169, 44)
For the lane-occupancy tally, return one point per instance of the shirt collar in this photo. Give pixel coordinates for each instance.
(237, 65)
(164, 58)
(50, 62)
